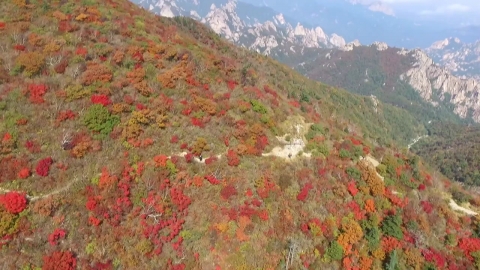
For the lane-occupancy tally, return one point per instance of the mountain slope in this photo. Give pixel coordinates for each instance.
(130, 141)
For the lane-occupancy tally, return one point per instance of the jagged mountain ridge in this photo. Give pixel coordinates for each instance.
(462, 59)
(258, 28)
(369, 22)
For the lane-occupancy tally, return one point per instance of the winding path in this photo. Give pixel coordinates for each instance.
(53, 192)
(287, 151)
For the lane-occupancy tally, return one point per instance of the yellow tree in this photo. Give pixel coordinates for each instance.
(351, 234)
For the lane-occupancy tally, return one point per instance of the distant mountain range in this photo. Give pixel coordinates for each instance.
(462, 59)
(368, 23)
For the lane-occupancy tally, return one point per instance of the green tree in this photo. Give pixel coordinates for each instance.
(98, 119)
(335, 251)
(391, 225)
(393, 263)
(257, 106)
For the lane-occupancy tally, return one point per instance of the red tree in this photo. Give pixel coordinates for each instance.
(304, 192)
(24, 173)
(469, 245)
(352, 188)
(55, 236)
(228, 191)
(233, 159)
(36, 93)
(14, 202)
(43, 166)
(427, 206)
(59, 260)
(101, 99)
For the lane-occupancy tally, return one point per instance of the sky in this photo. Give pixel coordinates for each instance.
(462, 12)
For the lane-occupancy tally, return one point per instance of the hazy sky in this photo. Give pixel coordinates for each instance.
(461, 11)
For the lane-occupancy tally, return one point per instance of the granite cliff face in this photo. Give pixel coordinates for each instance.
(433, 81)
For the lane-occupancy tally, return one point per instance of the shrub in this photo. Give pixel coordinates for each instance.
(36, 93)
(354, 173)
(96, 73)
(460, 196)
(55, 236)
(233, 159)
(344, 154)
(257, 106)
(101, 99)
(30, 62)
(98, 119)
(228, 191)
(304, 192)
(373, 238)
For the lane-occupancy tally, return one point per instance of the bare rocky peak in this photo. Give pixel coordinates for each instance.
(225, 21)
(351, 45)
(279, 19)
(166, 8)
(426, 77)
(337, 41)
(381, 46)
(441, 44)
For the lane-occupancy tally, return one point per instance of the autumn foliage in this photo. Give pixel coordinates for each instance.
(130, 141)
(96, 73)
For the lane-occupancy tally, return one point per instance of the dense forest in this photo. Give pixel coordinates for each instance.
(132, 141)
(454, 149)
